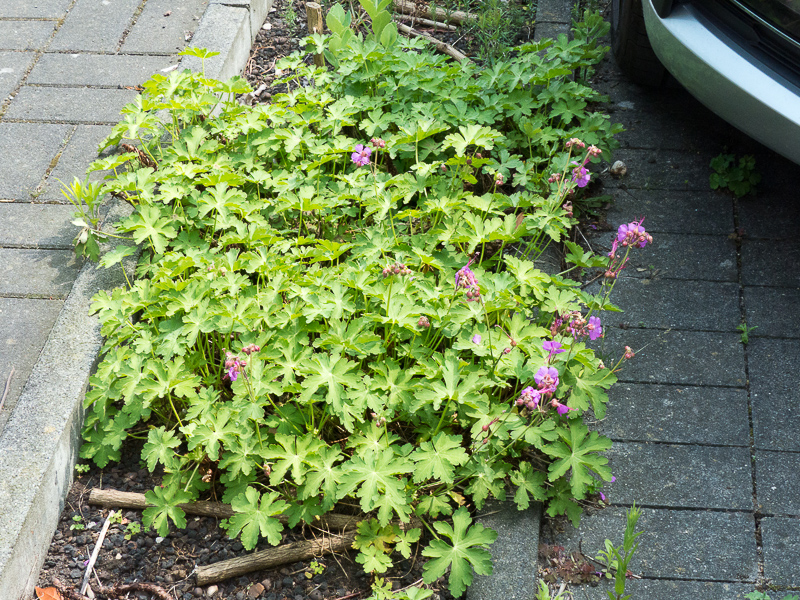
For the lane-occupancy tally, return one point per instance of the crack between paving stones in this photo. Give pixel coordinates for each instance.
(136, 14)
(728, 387)
(757, 514)
(670, 507)
(665, 443)
(39, 189)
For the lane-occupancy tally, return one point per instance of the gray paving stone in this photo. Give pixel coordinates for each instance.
(685, 544)
(25, 35)
(650, 127)
(156, 33)
(259, 9)
(513, 553)
(676, 256)
(41, 9)
(80, 152)
(674, 212)
(777, 484)
(97, 69)
(770, 216)
(679, 357)
(684, 476)
(24, 327)
(685, 414)
(680, 304)
(775, 392)
(13, 66)
(544, 31)
(772, 310)
(37, 273)
(662, 170)
(95, 26)
(781, 540)
(665, 589)
(37, 225)
(772, 263)
(26, 150)
(71, 105)
(557, 11)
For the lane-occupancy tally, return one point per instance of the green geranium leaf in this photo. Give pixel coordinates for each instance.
(254, 517)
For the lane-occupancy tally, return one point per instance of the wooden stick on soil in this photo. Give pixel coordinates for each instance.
(95, 552)
(441, 46)
(117, 499)
(314, 18)
(426, 22)
(411, 8)
(266, 559)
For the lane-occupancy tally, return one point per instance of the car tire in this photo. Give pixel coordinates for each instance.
(631, 46)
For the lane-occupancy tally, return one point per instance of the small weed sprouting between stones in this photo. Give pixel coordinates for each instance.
(617, 559)
(741, 179)
(338, 299)
(745, 332)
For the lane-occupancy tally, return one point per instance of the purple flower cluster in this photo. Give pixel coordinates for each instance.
(233, 366)
(466, 279)
(361, 155)
(423, 322)
(580, 327)
(396, 269)
(552, 348)
(580, 176)
(629, 235)
(529, 398)
(546, 379)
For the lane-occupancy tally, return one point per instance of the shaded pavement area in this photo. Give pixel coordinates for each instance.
(706, 429)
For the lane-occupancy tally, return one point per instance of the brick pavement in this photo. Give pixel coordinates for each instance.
(705, 429)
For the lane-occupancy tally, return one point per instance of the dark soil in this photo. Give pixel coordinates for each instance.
(170, 562)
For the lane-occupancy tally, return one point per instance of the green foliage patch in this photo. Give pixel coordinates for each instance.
(318, 320)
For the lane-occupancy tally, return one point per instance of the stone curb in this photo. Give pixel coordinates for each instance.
(228, 27)
(40, 442)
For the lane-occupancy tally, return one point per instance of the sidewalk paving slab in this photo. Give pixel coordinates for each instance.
(771, 310)
(667, 303)
(676, 413)
(777, 483)
(163, 26)
(775, 393)
(680, 256)
(69, 105)
(110, 70)
(679, 357)
(26, 151)
(36, 225)
(668, 211)
(662, 170)
(37, 273)
(95, 26)
(41, 9)
(673, 589)
(681, 476)
(781, 540)
(13, 66)
(25, 35)
(684, 544)
(771, 262)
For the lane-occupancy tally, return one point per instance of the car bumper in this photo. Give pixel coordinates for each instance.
(726, 78)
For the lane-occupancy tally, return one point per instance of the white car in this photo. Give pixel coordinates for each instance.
(741, 58)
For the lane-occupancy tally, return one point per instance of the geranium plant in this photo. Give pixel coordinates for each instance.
(339, 298)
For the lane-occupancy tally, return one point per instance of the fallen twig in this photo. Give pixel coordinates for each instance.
(118, 591)
(95, 552)
(272, 557)
(117, 499)
(426, 22)
(441, 46)
(8, 386)
(455, 16)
